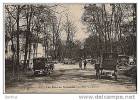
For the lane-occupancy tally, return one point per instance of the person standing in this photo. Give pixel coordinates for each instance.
(97, 68)
(80, 63)
(85, 63)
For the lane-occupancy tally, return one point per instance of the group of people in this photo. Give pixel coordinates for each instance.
(84, 62)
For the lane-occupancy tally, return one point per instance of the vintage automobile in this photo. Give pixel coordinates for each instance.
(132, 60)
(89, 60)
(106, 65)
(66, 61)
(123, 59)
(123, 64)
(112, 64)
(42, 66)
(69, 61)
(93, 61)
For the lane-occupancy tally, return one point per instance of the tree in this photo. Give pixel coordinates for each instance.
(70, 29)
(29, 25)
(107, 21)
(14, 11)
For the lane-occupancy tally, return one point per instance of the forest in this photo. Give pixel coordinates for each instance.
(111, 28)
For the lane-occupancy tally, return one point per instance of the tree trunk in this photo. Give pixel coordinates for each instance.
(17, 21)
(28, 33)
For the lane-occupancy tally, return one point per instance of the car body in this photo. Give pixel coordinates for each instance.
(106, 65)
(93, 61)
(123, 64)
(123, 59)
(89, 60)
(132, 60)
(69, 61)
(42, 66)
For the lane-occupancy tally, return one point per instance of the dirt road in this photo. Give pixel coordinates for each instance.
(69, 79)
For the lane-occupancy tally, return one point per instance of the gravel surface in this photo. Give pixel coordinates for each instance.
(70, 79)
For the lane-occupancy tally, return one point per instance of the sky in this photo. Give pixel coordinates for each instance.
(75, 12)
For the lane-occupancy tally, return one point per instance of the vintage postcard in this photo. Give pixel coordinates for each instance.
(70, 48)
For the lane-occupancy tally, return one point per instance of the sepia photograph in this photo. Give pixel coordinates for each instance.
(67, 48)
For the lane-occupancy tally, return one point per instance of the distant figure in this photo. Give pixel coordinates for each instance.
(97, 68)
(80, 63)
(85, 63)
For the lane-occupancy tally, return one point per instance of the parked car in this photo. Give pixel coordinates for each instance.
(123, 64)
(131, 71)
(107, 65)
(123, 59)
(93, 61)
(132, 60)
(42, 66)
(66, 61)
(89, 60)
(55, 61)
(69, 61)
